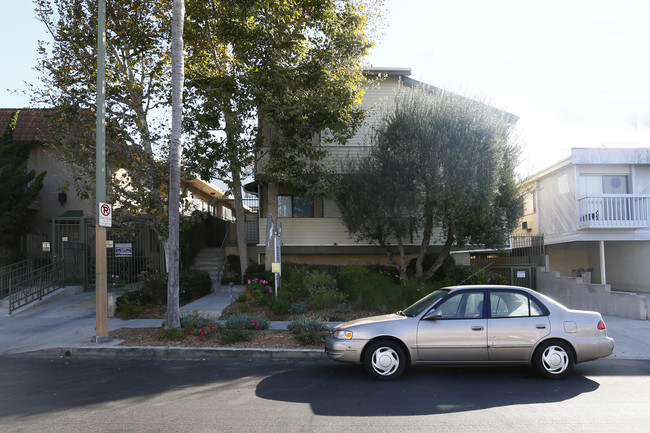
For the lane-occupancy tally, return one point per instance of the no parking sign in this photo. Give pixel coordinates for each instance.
(105, 215)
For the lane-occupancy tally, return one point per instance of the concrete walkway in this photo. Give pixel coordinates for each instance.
(64, 325)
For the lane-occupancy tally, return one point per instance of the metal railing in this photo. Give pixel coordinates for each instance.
(32, 285)
(8, 273)
(613, 211)
(221, 254)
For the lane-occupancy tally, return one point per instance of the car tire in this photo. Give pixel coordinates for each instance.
(385, 360)
(553, 359)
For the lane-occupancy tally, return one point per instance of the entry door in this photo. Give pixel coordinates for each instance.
(461, 333)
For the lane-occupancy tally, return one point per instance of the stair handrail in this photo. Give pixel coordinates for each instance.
(34, 284)
(7, 273)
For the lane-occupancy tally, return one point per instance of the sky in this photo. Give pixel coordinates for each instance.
(576, 72)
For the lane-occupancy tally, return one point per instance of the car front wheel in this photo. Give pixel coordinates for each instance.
(553, 359)
(385, 360)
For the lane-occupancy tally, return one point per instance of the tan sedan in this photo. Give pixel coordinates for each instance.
(474, 325)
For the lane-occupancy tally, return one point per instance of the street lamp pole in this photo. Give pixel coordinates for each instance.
(101, 275)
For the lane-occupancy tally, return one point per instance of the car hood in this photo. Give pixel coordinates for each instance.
(370, 320)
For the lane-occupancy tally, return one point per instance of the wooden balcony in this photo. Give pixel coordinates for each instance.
(613, 211)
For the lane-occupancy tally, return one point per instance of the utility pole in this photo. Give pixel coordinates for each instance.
(101, 274)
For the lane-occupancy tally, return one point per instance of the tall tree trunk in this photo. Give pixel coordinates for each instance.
(173, 308)
(272, 213)
(240, 217)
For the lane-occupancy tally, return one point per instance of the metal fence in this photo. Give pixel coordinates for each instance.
(517, 263)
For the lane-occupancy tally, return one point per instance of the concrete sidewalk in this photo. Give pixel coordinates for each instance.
(64, 325)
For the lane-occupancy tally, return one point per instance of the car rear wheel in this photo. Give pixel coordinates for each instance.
(385, 360)
(553, 359)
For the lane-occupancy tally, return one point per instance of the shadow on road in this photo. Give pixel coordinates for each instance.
(30, 386)
(344, 390)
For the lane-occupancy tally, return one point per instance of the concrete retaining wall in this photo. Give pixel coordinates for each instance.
(575, 293)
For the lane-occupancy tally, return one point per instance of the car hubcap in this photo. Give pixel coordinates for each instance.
(555, 359)
(385, 361)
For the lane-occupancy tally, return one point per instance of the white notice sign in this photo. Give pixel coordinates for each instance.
(105, 215)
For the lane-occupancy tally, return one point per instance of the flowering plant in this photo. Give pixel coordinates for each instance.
(246, 322)
(259, 290)
(115, 280)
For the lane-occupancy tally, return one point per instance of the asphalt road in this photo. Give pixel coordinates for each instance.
(87, 395)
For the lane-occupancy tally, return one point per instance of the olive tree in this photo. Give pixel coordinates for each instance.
(441, 167)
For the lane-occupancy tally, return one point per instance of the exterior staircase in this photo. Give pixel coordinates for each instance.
(212, 260)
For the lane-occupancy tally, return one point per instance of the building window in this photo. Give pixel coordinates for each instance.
(529, 203)
(604, 184)
(295, 207)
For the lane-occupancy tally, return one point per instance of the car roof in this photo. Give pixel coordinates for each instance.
(488, 287)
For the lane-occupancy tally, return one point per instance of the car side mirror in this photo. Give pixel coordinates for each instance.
(434, 314)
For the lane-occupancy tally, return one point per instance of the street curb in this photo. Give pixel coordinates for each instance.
(173, 353)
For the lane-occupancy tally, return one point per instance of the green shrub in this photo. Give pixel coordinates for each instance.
(352, 277)
(281, 304)
(246, 322)
(155, 287)
(173, 334)
(194, 284)
(325, 297)
(235, 335)
(257, 270)
(130, 303)
(411, 292)
(309, 330)
(315, 279)
(293, 281)
(298, 308)
(366, 290)
(342, 309)
(191, 320)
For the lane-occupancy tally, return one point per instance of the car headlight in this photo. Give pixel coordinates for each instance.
(343, 335)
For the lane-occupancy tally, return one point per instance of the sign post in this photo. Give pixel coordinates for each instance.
(276, 264)
(101, 273)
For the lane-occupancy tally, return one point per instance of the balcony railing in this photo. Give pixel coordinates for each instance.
(614, 211)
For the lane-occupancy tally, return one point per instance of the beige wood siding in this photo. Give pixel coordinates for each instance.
(330, 209)
(377, 94)
(310, 231)
(325, 232)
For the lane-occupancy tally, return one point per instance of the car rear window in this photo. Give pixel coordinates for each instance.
(513, 304)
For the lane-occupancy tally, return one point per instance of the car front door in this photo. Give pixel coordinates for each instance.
(460, 335)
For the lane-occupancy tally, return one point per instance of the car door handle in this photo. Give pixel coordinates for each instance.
(477, 328)
(540, 326)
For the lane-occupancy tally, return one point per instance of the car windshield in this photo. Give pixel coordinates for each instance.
(425, 302)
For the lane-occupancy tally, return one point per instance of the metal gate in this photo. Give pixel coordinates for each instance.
(517, 263)
(523, 276)
(69, 244)
(131, 250)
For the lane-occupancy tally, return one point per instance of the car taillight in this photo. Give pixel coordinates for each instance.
(601, 325)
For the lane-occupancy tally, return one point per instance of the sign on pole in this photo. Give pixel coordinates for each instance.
(105, 215)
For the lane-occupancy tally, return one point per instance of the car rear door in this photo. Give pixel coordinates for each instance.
(516, 323)
(460, 335)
